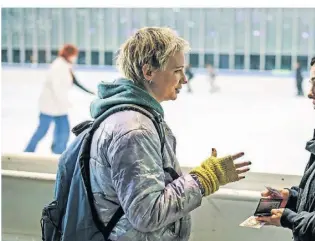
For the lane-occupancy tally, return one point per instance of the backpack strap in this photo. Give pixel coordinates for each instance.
(84, 158)
(79, 128)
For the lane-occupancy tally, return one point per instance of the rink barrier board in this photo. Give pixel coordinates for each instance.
(30, 162)
(25, 191)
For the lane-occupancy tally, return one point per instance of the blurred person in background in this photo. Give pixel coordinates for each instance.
(189, 75)
(299, 79)
(297, 210)
(53, 100)
(211, 76)
(128, 169)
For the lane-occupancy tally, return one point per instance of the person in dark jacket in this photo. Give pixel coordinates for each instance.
(189, 75)
(299, 79)
(297, 210)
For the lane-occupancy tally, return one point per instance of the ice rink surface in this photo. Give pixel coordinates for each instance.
(258, 115)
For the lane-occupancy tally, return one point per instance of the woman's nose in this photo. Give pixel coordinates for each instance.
(184, 79)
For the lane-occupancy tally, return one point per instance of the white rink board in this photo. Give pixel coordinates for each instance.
(258, 115)
(28, 181)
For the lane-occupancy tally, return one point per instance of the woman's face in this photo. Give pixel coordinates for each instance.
(166, 84)
(73, 59)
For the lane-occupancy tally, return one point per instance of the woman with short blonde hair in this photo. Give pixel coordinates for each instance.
(129, 169)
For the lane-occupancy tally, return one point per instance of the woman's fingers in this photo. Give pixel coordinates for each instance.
(236, 156)
(244, 170)
(243, 164)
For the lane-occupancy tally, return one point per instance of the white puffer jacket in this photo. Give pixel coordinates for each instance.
(53, 99)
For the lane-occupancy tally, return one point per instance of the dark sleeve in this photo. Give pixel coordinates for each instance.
(299, 74)
(189, 74)
(293, 197)
(302, 224)
(75, 82)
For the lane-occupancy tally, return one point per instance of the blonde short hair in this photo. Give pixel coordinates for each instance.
(152, 46)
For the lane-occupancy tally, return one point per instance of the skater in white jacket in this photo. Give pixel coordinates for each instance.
(212, 76)
(53, 101)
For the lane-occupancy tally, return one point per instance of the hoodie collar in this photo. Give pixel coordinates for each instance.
(310, 145)
(122, 91)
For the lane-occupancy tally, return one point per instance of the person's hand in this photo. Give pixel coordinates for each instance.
(234, 171)
(284, 195)
(215, 171)
(274, 219)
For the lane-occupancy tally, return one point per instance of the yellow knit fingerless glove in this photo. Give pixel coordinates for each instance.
(215, 172)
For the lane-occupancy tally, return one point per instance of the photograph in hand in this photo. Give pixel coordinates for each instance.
(252, 222)
(266, 205)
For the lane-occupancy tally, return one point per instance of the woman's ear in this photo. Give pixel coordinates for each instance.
(146, 71)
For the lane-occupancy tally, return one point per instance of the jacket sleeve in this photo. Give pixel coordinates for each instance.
(302, 224)
(293, 197)
(139, 180)
(79, 85)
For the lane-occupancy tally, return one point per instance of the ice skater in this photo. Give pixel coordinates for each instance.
(54, 103)
(212, 76)
(299, 79)
(189, 74)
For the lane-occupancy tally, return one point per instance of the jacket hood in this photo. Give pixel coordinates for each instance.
(122, 91)
(310, 145)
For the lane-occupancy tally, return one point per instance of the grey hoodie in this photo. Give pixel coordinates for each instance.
(127, 169)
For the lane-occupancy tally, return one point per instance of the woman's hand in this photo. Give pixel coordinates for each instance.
(215, 172)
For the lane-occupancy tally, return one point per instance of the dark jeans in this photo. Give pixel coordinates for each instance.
(61, 133)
